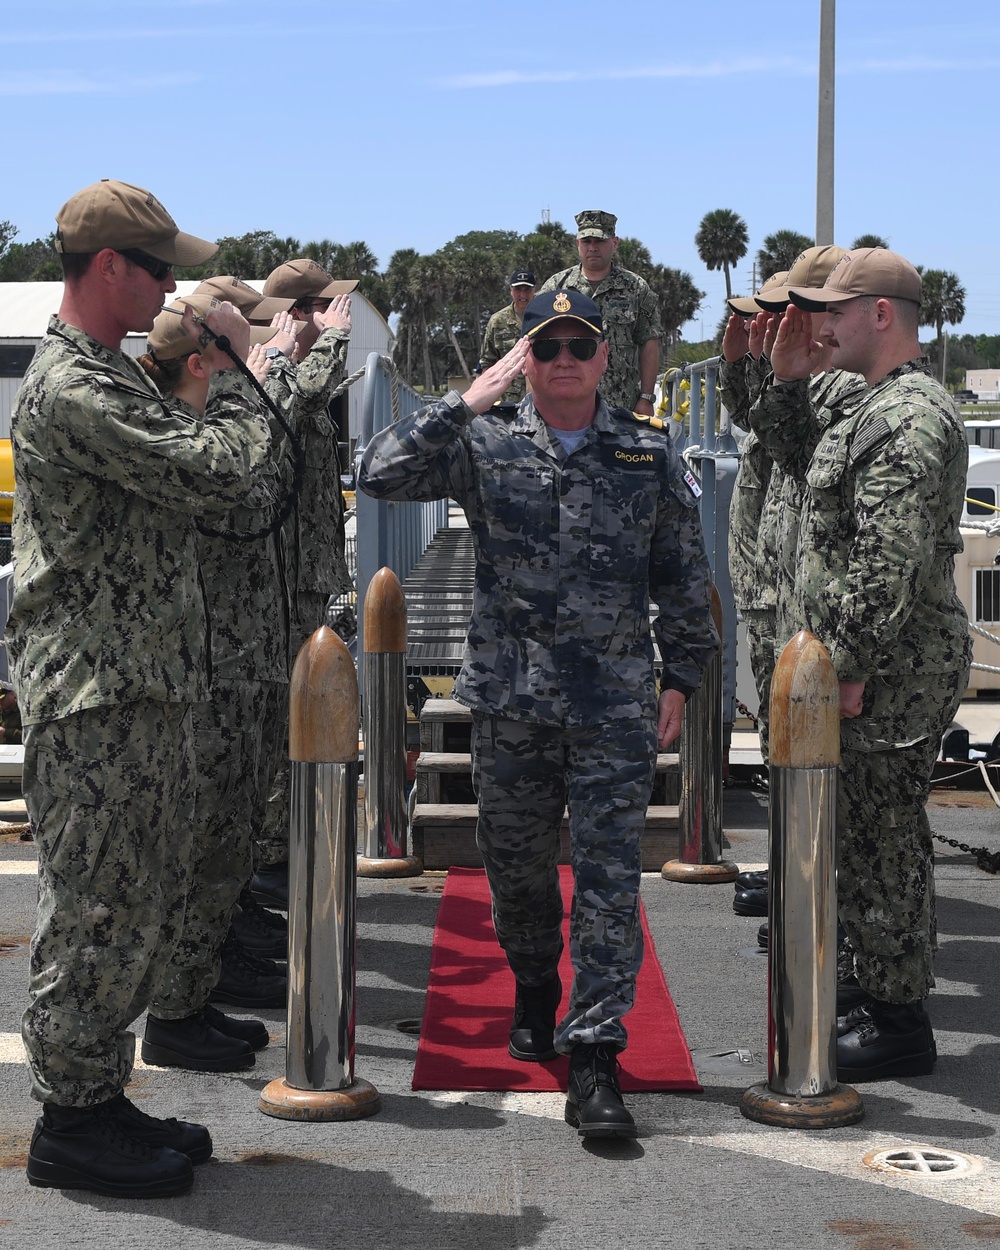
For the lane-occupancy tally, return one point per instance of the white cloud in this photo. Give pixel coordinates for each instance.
(56, 82)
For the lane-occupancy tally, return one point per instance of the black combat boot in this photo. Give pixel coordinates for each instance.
(534, 1020)
(193, 1140)
(888, 1039)
(750, 902)
(594, 1103)
(259, 930)
(269, 886)
(252, 1031)
(754, 880)
(90, 1148)
(194, 1043)
(247, 980)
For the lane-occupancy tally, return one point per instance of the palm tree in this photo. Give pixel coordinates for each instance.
(722, 240)
(779, 251)
(635, 255)
(869, 240)
(678, 297)
(942, 302)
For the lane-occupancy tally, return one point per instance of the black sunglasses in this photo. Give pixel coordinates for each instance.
(549, 349)
(157, 269)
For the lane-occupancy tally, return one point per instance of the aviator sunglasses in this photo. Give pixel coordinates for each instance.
(549, 349)
(157, 269)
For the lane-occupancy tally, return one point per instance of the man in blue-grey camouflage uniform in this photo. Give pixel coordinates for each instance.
(883, 489)
(580, 517)
(108, 643)
(629, 308)
(504, 329)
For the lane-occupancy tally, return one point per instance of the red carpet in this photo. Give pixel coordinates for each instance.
(463, 1039)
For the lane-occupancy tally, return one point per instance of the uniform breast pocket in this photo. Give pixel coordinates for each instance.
(517, 505)
(623, 518)
(617, 312)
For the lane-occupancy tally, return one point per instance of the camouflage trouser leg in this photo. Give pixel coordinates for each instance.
(760, 640)
(272, 845)
(227, 759)
(109, 794)
(885, 868)
(524, 775)
(273, 757)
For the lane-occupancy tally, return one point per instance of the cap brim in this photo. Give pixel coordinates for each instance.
(745, 305)
(564, 317)
(182, 249)
(268, 307)
(775, 301)
(528, 284)
(262, 334)
(340, 286)
(815, 299)
(593, 234)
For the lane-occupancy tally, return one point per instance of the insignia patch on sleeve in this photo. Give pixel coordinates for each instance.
(692, 482)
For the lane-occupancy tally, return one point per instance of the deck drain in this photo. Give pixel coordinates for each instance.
(923, 1163)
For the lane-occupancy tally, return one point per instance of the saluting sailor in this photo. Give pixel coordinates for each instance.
(581, 515)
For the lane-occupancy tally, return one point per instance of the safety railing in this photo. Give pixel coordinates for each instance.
(390, 535)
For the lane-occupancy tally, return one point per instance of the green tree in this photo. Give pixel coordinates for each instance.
(942, 303)
(549, 248)
(678, 299)
(635, 255)
(247, 256)
(722, 240)
(37, 261)
(869, 240)
(779, 252)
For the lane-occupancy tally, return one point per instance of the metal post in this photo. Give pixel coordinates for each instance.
(384, 718)
(825, 122)
(700, 815)
(802, 1089)
(319, 1082)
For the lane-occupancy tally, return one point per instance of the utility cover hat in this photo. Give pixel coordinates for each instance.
(300, 279)
(593, 223)
(522, 277)
(748, 305)
(120, 216)
(253, 305)
(810, 268)
(868, 271)
(559, 305)
(168, 340)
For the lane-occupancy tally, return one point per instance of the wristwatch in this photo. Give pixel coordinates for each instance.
(271, 352)
(649, 396)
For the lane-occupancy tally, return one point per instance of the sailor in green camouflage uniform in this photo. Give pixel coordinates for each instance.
(580, 517)
(108, 643)
(504, 329)
(313, 536)
(628, 306)
(248, 619)
(884, 484)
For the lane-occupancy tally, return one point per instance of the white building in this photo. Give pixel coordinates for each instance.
(25, 308)
(985, 382)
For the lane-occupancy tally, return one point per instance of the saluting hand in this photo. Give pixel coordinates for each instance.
(735, 341)
(796, 353)
(337, 316)
(493, 382)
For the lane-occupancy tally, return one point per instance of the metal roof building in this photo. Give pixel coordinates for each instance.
(25, 308)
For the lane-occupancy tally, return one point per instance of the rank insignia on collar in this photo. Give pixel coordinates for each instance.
(561, 303)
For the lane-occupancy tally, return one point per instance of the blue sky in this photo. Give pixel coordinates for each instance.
(404, 123)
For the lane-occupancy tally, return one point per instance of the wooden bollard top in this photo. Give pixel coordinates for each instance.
(323, 702)
(805, 707)
(385, 614)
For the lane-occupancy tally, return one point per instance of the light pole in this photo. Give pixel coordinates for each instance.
(825, 129)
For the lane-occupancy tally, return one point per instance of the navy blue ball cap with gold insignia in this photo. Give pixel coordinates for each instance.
(561, 305)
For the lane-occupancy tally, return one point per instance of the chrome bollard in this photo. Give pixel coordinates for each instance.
(700, 812)
(802, 1089)
(384, 718)
(319, 1082)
